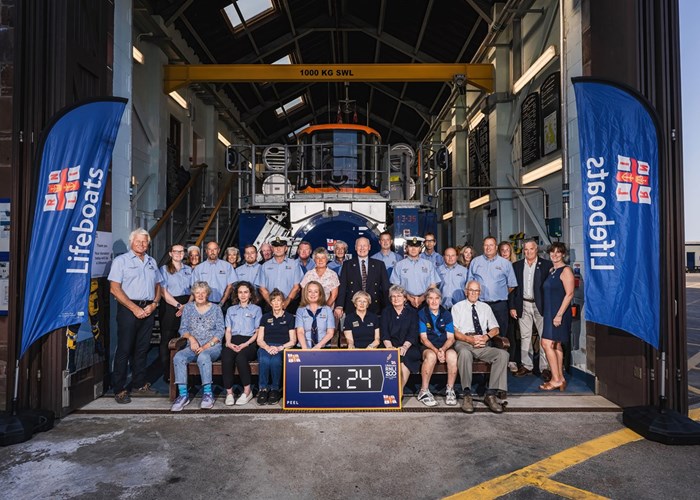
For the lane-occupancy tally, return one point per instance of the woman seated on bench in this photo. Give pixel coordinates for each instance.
(275, 334)
(362, 326)
(437, 336)
(203, 326)
(399, 328)
(240, 348)
(315, 322)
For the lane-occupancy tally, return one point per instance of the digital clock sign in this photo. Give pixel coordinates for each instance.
(339, 379)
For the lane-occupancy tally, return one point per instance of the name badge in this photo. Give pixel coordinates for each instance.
(270, 321)
(355, 323)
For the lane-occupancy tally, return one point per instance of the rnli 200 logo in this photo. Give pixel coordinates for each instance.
(632, 180)
(62, 192)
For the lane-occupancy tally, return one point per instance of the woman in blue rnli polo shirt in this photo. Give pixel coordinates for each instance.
(315, 322)
(175, 288)
(275, 334)
(240, 348)
(437, 338)
(362, 326)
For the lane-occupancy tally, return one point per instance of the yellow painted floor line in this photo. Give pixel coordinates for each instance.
(566, 491)
(538, 473)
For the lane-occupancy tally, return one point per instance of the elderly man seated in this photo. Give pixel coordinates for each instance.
(475, 325)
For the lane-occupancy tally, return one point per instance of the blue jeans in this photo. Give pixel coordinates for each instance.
(270, 369)
(204, 361)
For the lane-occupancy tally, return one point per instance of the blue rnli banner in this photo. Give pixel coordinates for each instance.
(618, 138)
(74, 154)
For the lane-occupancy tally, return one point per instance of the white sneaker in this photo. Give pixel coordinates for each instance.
(229, 400)
(244, 399)
(513, 366)
(426, 398)
(450, 397)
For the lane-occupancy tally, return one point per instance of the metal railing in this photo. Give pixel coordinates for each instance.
(179, 219)
(222, 216)
(273, 175)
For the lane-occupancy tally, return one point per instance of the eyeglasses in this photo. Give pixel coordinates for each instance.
(430, 241)
(471, 290)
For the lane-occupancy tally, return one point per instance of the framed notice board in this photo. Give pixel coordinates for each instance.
(342, 379)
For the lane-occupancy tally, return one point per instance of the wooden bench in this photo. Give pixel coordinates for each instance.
(192, 369)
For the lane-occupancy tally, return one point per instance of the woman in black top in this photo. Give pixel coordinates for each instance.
(361, 328)
(399, 328)
(275, 334)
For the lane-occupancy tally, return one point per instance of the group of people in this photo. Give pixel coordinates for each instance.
(435, 308)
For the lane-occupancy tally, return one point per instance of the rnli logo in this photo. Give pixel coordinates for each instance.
(632, 180)
(63, 189)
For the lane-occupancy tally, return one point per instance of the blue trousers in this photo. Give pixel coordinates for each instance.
(204, 361)
(270, 369)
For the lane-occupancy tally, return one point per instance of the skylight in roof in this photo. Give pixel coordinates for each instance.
(250, 10)
(284, 60)
(290, 106)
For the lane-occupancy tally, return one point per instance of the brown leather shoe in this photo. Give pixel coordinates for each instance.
(546, 375)
(522, 372)
(493, 404)
(467, 404)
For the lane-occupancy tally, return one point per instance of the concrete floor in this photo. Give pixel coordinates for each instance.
(326, 455)
(144, 451)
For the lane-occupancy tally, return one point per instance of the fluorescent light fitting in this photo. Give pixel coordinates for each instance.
(178, 99)
(223, 140)
(480, 201)
(448, 215)
(536, 67)
(476, 120)
(137, 55)
(543, 171)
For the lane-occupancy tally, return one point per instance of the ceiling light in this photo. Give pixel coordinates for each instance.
(178, 99)
(137, 55)
(480, 201)
(223, 140)
(543, 171)
(536, 67)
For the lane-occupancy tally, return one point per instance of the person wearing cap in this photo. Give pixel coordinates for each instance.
(219, 274)
(454, 277)
(496, 278)
(280, 272)
(429, 252)
(415, 274)
(385, 254)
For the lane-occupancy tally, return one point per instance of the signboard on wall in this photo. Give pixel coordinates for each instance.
(550, 113)
(530, 129)
(479, 159)
(4, 255)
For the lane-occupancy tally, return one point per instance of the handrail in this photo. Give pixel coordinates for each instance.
(214, 212)
(183, 194)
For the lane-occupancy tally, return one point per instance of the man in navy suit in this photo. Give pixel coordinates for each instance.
(376, 280)
(525, 303)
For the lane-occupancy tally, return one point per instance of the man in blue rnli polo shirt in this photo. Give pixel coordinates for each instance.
(414, 273)
(385, 254)
(454, 277)
(497, 279)
(219, 275)
(134, 280)
(282, 273)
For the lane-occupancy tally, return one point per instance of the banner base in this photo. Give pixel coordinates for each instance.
(662, 426)
(15, 430)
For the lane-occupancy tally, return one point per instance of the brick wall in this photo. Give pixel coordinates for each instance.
(7, 23)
